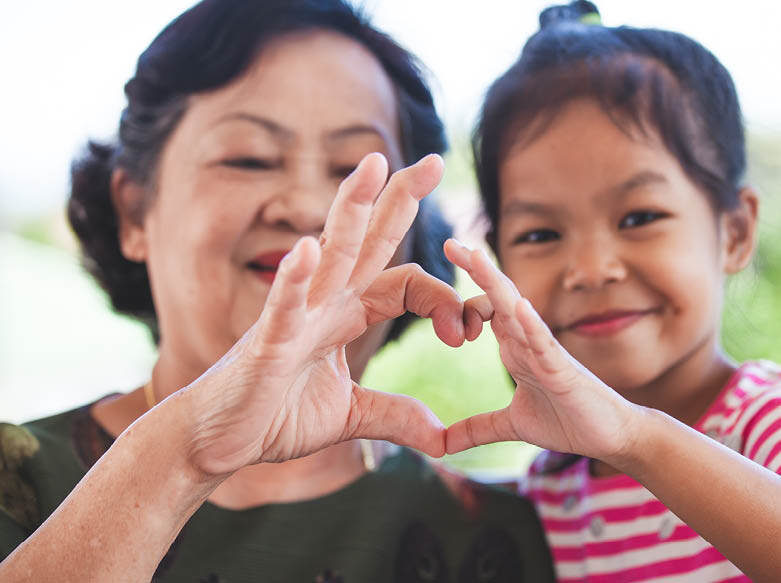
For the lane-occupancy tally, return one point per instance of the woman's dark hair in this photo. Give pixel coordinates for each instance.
(205, 48)
(645, 78)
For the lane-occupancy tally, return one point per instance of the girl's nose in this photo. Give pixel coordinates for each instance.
(592, 265)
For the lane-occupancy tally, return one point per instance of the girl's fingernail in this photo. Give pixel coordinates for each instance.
(462, 245)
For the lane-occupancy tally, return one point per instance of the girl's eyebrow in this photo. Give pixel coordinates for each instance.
(516, 206)
(642, 178)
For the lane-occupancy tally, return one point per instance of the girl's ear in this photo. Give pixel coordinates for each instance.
(739, 227)
(128, 199)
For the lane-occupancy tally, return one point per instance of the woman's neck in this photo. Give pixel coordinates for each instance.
(309, 477)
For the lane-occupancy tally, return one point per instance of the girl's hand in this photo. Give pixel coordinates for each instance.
(284, 390)
(558, 404)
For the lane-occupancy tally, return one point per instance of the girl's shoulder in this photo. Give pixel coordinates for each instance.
(753, 381)
(757, 376)
(746, 416)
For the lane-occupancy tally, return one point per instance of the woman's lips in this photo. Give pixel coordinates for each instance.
(607, 323)
(265, 265)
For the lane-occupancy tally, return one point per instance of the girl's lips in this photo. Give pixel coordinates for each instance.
(606, 323)
(265, 265)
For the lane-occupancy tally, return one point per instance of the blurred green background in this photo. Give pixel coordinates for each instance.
(61, 345)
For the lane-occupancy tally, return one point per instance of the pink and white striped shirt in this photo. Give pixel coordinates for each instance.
(614, 530)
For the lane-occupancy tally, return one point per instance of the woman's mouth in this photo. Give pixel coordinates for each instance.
(607, 323)
(265, 265)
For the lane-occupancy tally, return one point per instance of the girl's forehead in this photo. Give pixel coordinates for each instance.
(584, 149)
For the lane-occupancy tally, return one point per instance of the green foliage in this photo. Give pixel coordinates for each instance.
(752, 311)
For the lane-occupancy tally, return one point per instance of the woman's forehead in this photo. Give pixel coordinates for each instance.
(316, 81)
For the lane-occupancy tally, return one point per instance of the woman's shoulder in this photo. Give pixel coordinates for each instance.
(17, 495)
(41, 461)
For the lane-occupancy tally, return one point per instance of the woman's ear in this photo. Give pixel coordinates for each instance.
(128, 199)
(739, 227)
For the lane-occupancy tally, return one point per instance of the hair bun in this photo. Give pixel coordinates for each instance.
(581, 11)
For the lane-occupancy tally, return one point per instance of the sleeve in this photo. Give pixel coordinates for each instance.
(761, 434)
(18, 504)
(12, 534)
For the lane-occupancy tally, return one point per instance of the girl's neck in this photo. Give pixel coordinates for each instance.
(684, 391)
(687, 389)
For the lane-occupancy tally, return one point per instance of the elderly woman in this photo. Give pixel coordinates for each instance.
(246, 216)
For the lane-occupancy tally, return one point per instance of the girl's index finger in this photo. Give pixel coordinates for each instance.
(501, 292)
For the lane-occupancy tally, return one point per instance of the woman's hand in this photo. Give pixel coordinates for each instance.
(284, 390)
(558, 404)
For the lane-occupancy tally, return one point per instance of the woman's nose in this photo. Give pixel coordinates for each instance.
(302, 205)
(593, 264)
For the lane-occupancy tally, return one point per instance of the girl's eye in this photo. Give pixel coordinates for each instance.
(250, 163)
(538, 236)
(640, 218)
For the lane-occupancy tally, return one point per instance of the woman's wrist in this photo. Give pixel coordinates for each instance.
(175, 428)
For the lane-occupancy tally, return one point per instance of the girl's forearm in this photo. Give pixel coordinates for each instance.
(119, 521)
(732, 502)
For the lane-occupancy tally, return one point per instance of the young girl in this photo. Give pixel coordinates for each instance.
(610, 162)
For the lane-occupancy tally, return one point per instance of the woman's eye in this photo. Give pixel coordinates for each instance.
(640, 218)
(342, 172)
(538, 236)
(250, 163)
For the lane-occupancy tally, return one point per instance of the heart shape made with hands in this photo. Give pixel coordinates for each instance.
(284, 390)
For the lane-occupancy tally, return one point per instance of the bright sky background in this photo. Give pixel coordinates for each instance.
(64, 63)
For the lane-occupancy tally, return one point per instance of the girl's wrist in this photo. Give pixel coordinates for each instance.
(643, 441)
(632, 424)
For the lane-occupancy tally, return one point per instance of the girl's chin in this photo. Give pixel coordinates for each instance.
(628, 378)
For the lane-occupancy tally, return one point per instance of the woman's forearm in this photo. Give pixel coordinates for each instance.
(119, 521)
(732, 502)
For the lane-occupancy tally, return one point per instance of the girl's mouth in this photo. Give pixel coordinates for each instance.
(607, 323)
(265, 265)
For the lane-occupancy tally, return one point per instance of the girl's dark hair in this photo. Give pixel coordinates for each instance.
(205, 48)
(650, 79)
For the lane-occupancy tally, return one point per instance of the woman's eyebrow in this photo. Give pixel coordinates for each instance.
(354, 130)
(270, 126)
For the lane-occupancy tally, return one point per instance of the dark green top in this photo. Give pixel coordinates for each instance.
(400, 523)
